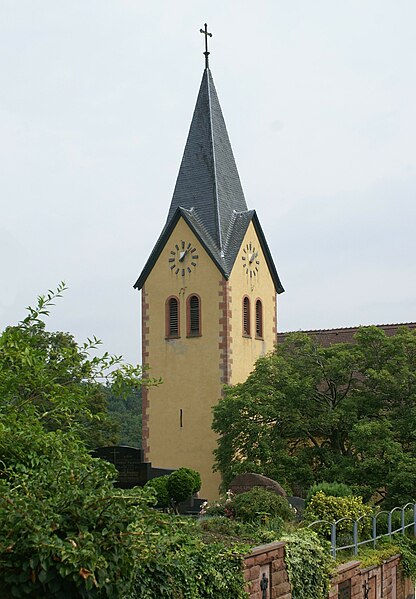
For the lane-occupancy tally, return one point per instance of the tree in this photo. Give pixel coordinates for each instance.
(64, 529)
(126, 412)
(309, 413)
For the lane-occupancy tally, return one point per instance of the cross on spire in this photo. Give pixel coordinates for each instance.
(206, 33)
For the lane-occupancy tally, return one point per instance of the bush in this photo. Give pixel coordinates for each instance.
(260, 503)
(332, 489)
(160, 487)
(327, 507)
(227, 529)
(187, 567)
(65, 531)
(181, 484)
(197, 479)
(309, 565)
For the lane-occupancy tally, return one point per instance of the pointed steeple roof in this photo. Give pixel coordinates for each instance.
(208, 179)
(208, 193)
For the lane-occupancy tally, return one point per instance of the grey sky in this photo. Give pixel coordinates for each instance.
(95, 105)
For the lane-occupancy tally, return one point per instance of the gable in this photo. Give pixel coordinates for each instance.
(225, 260)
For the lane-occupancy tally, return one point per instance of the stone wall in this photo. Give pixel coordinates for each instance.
(349, 581)
(268, 561)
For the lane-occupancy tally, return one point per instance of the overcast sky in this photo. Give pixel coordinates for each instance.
(96, 99)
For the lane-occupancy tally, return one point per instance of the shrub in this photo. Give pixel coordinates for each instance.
(260, 503)
(332, 489)
(181, 484)
(160, 487)
(327, 507)
(221, 507)
(185, 566)
(197, 480)
(309, 565)
(227, 529)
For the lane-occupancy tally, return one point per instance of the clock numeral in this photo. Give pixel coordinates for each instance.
(192, 250)
(176, 271)
(171, 259)
(257, 262)
(195, 257)
(257, 269)
(173, 253)
(254, 272)
(251, 273)
(176, 246)
(188, 246)
(183, 244)
(183, 272)
(246, 270)
(189, 270)
(244, 250)
(173, 266)
(243, 257)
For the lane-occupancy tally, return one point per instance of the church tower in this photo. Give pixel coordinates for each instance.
(208, 298)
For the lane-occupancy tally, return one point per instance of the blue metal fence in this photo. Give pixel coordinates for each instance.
(357, 541)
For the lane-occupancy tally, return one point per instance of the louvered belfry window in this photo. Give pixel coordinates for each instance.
(194, 316)
(173, 318)
(259, 319)
(246, 316)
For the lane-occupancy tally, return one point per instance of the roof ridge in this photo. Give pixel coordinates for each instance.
(216, 197)
(194, 213)
(392, 324)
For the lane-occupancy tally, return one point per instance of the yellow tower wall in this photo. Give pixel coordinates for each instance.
(177, 415)
(246, 350)
(190, 367)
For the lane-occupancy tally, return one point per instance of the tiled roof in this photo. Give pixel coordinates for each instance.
(327, 337)
(208, 192)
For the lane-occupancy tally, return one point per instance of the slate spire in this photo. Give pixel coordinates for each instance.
(208, 193)
(208, 180)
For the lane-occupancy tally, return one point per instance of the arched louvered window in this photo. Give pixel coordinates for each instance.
(246, 316)
(172, 317)
(259, 318)
(194, 316)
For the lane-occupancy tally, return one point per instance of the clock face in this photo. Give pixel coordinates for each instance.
(183, 258)
(250, 260)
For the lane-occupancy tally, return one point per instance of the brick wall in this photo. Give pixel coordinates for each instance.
(349, 580)
(268, 560)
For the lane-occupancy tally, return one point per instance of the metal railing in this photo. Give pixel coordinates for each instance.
(357, 541)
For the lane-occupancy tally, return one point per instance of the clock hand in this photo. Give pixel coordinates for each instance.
(182, 255)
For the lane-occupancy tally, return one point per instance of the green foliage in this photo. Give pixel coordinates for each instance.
(326, 507)
(308, 565)
(259, 504)
(334, 489)
(226, 529)
(64, 529)
(374, 557)
(197, 480)
(182, 483)
(344, 413)
(186, 567)
(126, 412)
(408, 556)
(160, 487)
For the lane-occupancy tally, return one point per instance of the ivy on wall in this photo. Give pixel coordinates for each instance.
(309, 565)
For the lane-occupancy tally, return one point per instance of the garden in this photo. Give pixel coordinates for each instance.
(67, 531)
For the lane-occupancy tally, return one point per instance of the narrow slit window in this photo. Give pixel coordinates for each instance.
(259, 319)
(172, 317)
(194, 316)
(246, 316)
